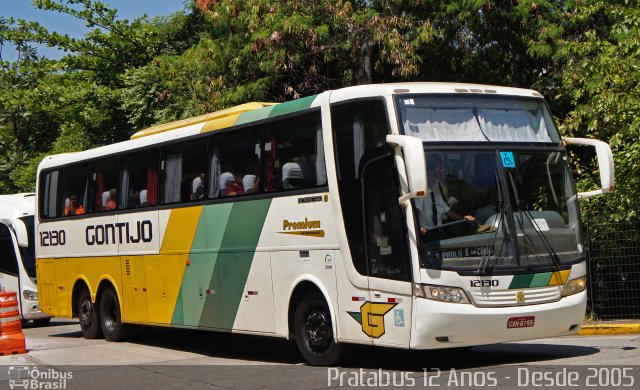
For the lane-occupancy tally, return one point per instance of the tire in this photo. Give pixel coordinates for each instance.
(89, 316)
(42, 321)
(314, 332)
(111, 317)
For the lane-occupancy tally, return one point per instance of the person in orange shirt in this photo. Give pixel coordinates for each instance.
(74, 208)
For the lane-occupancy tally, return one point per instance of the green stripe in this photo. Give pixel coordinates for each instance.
(292, 106)
(255, 115)
(521, 281)
(541, 280)
(241, 236)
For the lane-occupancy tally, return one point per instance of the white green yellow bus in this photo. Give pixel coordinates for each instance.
(17, 254)
(310, 220)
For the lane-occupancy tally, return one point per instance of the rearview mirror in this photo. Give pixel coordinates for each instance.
(21, 232)
(414, 163)
(605, 164)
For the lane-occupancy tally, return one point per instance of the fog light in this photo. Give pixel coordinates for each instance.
(575, 286)
(445, 294)
(30, 295)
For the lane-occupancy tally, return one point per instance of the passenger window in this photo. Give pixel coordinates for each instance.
(104, 184)
(294, 154)
(139, 179)
(75, 189)
(49, 206)
(234, 162)
(183, 171)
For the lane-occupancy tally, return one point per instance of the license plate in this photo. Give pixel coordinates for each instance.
(521, 322)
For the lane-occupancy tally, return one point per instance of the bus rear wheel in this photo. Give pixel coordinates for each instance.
(314, 332)
(88, 316)
(111, 317)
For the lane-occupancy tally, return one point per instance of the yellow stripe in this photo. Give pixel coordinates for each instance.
(220, 123)
(237, 110)
(559, 278)
(181, 229)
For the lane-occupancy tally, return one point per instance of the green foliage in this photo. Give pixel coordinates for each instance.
(124, 75)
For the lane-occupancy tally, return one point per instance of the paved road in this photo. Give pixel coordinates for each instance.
(172, 358)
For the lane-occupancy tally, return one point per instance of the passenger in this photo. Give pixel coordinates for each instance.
(234, 187)
(111, 203)
(197, 187)
(433, 209)
(73, 207)
(297, 174)
(225, 178)
(487, 210)
(250, 183)
(143, 198)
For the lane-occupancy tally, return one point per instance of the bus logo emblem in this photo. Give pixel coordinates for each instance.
(371, 317)
(520, 297)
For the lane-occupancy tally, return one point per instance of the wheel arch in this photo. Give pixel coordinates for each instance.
(304, 286)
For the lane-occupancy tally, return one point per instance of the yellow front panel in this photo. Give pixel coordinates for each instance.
(47, 294)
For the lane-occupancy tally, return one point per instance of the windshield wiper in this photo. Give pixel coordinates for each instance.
(483, 268)
(523, 209)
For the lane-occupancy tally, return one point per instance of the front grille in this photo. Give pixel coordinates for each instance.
(532, 296)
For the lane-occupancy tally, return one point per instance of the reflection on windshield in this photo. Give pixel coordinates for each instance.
(477, 119)
(498, 209)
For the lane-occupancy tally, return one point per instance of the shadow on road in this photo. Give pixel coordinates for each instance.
(274, 350)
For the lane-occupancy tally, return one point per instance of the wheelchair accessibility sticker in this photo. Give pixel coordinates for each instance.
(508, 161)
(398, 317)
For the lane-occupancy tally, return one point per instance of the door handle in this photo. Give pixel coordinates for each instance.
(377, 294)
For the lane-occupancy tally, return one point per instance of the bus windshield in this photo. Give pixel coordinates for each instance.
(498, 209)
(478, 118)
(29, 253)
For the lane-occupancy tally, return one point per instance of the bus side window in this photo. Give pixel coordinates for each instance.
(295, 154)
(49, 204)
(104, 185)
(139, 179)
(182, 163)
(234, 163)
(75, 194)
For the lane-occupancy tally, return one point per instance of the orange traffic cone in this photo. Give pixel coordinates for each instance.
(11, 336)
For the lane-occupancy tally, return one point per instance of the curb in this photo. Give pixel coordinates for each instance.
(597, 330)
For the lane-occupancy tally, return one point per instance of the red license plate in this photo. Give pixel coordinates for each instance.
(521, 322)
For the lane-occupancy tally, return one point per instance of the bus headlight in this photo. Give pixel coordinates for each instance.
(575, 286)
(445, 294)
(30, 295)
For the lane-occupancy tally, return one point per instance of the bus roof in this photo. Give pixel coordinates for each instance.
(17, 205)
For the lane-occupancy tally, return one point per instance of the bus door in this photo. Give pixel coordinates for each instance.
(9, 270)
(388, 263)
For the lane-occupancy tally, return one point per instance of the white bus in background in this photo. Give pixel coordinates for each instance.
(17, 254)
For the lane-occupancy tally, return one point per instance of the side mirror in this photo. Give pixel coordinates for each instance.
(21, 232)
(605, 164)
(414, 163)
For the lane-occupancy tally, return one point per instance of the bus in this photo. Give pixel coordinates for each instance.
(17, 254)
(309, 220)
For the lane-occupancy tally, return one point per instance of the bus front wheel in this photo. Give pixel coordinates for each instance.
(314, 332)
(110, 317)
(88, 316)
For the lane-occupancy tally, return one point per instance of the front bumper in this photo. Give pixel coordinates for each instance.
(461, 325)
